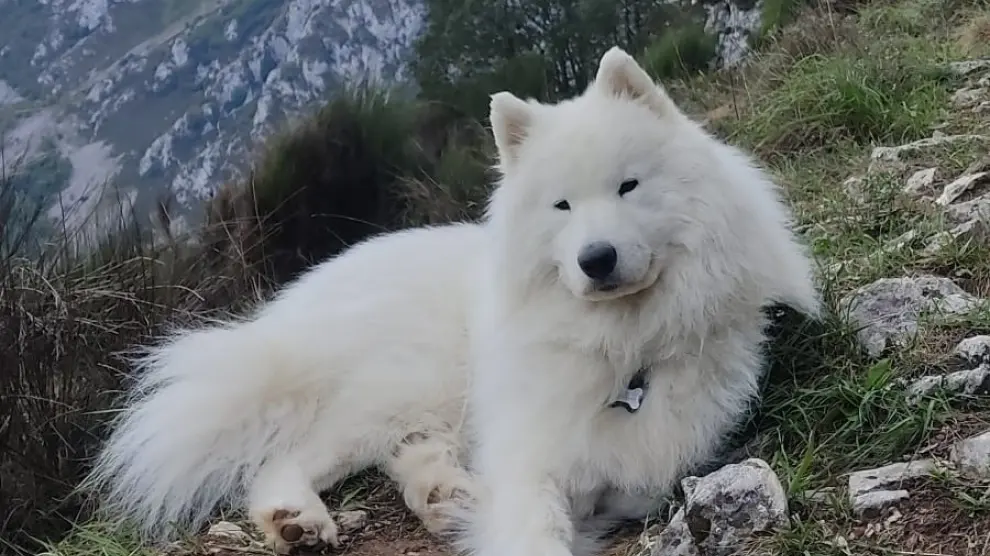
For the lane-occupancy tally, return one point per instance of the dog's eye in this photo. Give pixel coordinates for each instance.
(628, 186)
(562, 205)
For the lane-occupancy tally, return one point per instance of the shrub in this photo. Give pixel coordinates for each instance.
(777, 13)
(680, 51)
(336, 178)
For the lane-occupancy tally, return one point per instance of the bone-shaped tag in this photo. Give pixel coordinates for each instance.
(631, 399)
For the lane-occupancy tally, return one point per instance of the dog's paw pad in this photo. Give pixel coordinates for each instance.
(447, 494)
(298, 531)
(436, 516)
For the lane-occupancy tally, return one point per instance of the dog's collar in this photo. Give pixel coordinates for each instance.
(632, 397)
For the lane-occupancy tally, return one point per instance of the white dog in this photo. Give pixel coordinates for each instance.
(621, 327)
(595, 336)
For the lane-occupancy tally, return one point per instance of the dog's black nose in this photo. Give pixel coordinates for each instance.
(597, 260)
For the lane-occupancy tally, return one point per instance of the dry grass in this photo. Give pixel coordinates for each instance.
(973, 37)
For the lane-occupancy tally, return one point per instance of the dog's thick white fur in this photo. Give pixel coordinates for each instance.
(621, 237)
(624, 238)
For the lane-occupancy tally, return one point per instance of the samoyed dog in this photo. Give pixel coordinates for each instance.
(569, 357)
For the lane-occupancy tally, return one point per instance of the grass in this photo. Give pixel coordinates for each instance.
(813, 102)
(820, 93)
(973, 38)
(858, 96)
(96, 539)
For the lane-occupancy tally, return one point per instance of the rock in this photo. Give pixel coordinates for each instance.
(870, 504)
(351, 520)
(869, 480)
(731, 23)
(968, 97)
(968, 67)
(894, 154)
(975, 350)
(900, 242)
(960, 383)
(972, 455)
(724, 509)
(887, 311)
(981, 165)
(961, 186)
(675, 539)
(228, 531)
(972, 229)
(869, 489)
(920, 182)
(976, 209)
(937, 243)
(854, 189)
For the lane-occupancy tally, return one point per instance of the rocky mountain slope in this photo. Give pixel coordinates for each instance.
(171, 95)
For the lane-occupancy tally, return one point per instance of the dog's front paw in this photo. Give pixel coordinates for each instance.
(442, 505)
(292, 530)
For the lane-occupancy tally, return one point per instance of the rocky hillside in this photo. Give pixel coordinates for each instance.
(159, 94)
(169, 96)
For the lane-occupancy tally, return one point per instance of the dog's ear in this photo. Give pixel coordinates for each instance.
(620, 75)
(511, 118)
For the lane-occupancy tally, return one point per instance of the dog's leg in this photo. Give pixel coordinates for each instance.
(522, 453)
(286, 506)
(521, 509)
(522, 516)
(431, 478)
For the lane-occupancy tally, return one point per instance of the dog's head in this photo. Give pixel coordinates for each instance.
(612, 190)
(592, 183)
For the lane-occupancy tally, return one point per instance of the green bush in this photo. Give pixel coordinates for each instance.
(680, 51)
(777, 13)
(336, 178)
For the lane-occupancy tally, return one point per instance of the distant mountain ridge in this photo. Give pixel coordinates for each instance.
(156, 93)
(159, 96)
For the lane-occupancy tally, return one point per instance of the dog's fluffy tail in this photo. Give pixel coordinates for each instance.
(208, 407)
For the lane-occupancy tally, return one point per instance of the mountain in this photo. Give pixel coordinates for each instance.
(156, 94)
(171, 96)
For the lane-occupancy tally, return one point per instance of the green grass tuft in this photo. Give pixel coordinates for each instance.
(825, 99)
(96, 539)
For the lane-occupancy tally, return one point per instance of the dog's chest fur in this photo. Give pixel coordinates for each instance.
(688, 404)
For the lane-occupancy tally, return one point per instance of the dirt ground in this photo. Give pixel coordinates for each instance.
(391, 530)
